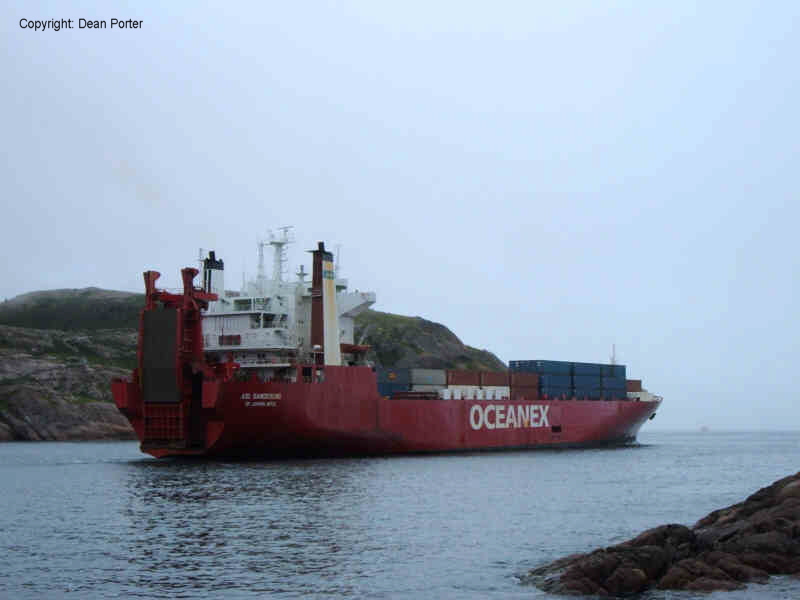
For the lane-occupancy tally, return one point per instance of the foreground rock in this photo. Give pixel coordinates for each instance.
(744, 543)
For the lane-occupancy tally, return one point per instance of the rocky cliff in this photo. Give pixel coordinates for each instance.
(54, 385)
(60, 349)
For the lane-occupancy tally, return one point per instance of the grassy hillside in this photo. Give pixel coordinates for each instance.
(399, 341)
(70, 310)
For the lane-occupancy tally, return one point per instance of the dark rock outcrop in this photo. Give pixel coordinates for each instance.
(55, 385)
(32, 414)
(725, 550)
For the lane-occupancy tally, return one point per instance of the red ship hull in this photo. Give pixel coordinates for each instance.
(180, 402)
(345, 415)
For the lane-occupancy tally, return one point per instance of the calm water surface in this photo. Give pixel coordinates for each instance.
(95, 520)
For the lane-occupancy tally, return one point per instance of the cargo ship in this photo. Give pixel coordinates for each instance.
(273, 370)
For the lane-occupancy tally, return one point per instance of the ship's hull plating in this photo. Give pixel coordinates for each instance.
(346, 416)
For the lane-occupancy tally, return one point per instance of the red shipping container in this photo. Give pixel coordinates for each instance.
(463, 378)
(633, 385)
(494, 378)
(524, 379)
(518, 394)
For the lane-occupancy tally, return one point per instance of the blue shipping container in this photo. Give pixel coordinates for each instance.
(385, 375)
(555, 392)
(555, 381)
(552, 367)
(587, 381)
(587, 369)
(614, 383)
(614, 371)
(390, 389)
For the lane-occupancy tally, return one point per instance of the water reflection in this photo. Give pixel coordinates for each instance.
(250, 524)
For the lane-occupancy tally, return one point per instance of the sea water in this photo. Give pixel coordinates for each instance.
(99, 520)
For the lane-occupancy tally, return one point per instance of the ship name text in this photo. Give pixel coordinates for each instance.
(260, 399)
(503, 416)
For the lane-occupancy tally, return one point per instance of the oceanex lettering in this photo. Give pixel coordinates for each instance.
(58, 24)
(502, 416)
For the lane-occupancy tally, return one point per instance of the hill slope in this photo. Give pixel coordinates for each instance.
(399, 341)
(73, 309)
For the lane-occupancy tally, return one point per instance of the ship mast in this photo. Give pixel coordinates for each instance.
(260, 275)
(279, 243)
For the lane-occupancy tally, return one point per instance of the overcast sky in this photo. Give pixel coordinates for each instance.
(546, 179)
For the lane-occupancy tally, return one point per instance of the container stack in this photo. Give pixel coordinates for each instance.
(561, 379)
(393, 381)
(524, 386)
(448, 384)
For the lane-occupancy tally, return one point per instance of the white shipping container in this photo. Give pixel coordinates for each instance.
(420, 387)
(498, 392)
(428, 376)
(466, 392)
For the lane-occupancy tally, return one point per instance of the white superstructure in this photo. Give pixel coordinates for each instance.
(266, 326)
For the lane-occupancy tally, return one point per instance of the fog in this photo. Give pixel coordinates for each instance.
(544, 180)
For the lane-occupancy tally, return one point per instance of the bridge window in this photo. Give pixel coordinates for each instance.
(242, 304)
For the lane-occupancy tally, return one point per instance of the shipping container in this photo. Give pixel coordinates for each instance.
(555, 392)
(390, 389)
(418, 395)
(522, 379)
(614, 371)
(426, 387)
(614, 383)
(428, 376)
(497, 392)
(524, 394)
(555, 380)
(587, 381)
(633, 385)
(615, 394)
(493, 378)
(385, 375)
(463, 378)
(464, 392)
(587, 369)
(551, 367)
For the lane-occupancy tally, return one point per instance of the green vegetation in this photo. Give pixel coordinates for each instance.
(70, 310)
(400, 341)
(82, 399)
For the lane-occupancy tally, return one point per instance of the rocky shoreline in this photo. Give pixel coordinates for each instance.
(725, 550)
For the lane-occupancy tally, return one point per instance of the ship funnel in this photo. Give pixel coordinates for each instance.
(324, 314)
(214, 277)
